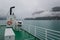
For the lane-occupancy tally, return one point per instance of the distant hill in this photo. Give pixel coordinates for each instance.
(53, 15)
(3, 17)
(44, 18)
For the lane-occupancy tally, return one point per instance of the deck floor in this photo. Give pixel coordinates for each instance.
(19, 35)
(22, 35)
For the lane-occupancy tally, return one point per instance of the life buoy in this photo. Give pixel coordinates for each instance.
(9, 22)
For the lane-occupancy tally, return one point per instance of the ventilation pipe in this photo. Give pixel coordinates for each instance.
(11, 9)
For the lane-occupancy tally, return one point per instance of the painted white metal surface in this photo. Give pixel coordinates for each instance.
(9, 34)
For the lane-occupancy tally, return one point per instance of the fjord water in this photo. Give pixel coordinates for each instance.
(48, 24)
(43, 29)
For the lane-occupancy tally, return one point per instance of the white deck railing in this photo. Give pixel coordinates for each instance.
(42, 33)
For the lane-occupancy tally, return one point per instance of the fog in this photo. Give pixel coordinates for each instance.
(25, 8)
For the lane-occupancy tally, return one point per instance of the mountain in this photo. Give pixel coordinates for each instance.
(53, 14)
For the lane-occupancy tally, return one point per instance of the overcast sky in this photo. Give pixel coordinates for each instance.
(25, 8)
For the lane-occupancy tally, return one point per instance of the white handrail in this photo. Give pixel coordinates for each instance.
(46, 31)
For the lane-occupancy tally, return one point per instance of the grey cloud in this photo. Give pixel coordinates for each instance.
(25, 8)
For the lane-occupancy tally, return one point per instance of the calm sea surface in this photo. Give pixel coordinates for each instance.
(49, 24)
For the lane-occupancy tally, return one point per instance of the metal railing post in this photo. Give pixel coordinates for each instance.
(35, 30)
(46, 34)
